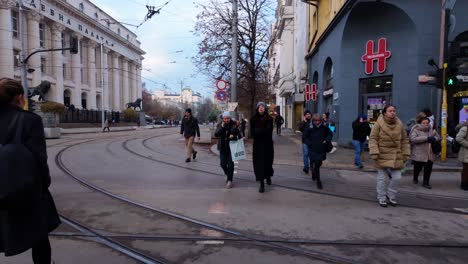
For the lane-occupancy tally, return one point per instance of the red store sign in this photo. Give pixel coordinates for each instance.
(311, 92)
(380, 56)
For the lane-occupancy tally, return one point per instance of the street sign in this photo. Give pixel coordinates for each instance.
(314, 92)
(310, 92)
(232, 106)
(463, 78)
(307, 92)
(425, 78)
(221, 96)
(221, 85)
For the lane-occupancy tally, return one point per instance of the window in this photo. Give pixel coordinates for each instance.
(128, 37)
(96, 16)
(64, 66)
(16, 58)
(108, 24)
(41, 35)
(63, 42)
(81, 7)
(118, 31)
(14, 23)
(43, 65)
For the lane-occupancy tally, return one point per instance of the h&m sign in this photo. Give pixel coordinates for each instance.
(381, 56)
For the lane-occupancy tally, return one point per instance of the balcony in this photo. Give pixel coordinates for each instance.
(286, 87)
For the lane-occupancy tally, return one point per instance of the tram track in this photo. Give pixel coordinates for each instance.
(243, 237)
(458, 200)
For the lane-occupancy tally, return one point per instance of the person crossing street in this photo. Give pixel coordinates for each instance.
(226, 131)
(305, 149)
(189, 130)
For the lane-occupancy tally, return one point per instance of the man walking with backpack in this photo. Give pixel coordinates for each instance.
(27, 210)
(189, 130)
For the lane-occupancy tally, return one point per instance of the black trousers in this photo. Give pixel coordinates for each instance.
(315, 168)
(41, 252)
(104, 129)
(419, 166)
(278, 130)
(227, 164)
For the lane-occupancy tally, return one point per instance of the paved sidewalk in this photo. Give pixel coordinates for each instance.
(86, 130)
(288, 151)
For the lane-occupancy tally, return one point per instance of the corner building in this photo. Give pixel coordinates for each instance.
(75, 78)
(371, 54)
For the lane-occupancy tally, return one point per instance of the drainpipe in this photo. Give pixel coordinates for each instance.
(315, 4)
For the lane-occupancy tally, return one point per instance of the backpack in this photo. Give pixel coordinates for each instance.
(17, 169)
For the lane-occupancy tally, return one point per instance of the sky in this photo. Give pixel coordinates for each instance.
(168, 40)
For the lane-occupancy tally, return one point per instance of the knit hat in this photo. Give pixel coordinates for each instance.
(188, 110)
(261, 103)
(307, 112)
(226, 114)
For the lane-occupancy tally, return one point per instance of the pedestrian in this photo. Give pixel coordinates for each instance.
(389, 148)
(189, 129)
(226, 131)
(318, 140)
(243, 125)
(106, 126)
(305, 150)
(279, 120)
(462, 138)
(361, 130)
(261, 129)
(25, 220)
(429, 115)
(422, 135)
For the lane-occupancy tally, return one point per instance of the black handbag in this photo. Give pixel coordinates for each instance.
(328, 146)
(436, 147)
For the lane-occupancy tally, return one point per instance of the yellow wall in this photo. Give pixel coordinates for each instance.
(326, 12)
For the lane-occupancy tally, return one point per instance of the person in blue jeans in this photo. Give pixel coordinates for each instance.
(361, 130)
(305, 150)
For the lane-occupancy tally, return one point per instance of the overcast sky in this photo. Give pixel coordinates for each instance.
(167, 39)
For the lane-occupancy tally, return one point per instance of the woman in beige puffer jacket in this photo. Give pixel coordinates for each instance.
(462, 138)
(421, 137)
(389, 148)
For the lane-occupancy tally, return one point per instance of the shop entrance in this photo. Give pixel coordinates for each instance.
(374, 94)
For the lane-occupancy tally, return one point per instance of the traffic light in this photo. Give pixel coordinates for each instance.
(73, 45)
(451, 76)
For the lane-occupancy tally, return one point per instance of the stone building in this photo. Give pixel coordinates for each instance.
(75, 78)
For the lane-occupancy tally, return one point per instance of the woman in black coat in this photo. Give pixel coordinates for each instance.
(261, 129)
(26, 225)
(317, 137)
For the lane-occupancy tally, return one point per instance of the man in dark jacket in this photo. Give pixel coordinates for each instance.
(305, 150)
(26, 225)
(318, 139)
(243, 125)
(226, 131)
(279, 120)
(189, 130)
(361, 130)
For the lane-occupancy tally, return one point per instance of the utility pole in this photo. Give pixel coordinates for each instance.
(234, 53)
(24, 64)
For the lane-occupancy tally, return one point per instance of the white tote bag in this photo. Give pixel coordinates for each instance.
(237, 149)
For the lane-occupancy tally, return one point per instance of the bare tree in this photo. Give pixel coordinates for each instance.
(254, 36)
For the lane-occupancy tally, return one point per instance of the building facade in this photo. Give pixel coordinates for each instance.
(107, 51)
(370, 53)
(186, 97)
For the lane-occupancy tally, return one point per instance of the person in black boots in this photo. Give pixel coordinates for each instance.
(226, 131)
(422, 135)
(305, 149)
(279, 120)
(28, 213)
(261, 129)
(318, 139)
(189, 130)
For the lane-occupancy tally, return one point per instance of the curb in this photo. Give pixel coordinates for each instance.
(112, 131)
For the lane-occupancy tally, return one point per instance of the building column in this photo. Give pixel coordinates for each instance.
(134, 82)
(92, 74)
(76, 77)
(139, 88)
(105, 93)
(7, 68)
(33, 45)
(125, 82)
(57, 60)
(116, 82)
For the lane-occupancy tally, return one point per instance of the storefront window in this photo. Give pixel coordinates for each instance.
(374, 93)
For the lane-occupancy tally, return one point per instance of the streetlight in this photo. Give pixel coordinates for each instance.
(102, 84)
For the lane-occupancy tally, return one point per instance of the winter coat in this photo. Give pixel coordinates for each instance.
(223, 134)
(361, 130)
(22, 227)
(261, 129)
(189, 127)
(388, 144)
(421, 149)
(279, 120)
(462, 138)
(314, 137)
(302, 127)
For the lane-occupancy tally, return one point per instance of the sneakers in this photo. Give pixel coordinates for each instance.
(427, 185)
(383, 203)
(392, 201)
(229, 185)
(195, 155)
(360, 166)
(305, 170)
(187, 160)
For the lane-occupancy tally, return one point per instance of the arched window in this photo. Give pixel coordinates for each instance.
(98, 102)
(67, 97)
(84, 98)
(328, 74)
(81, 7)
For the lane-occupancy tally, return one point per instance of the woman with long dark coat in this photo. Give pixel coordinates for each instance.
(261, 129)
(27, 224)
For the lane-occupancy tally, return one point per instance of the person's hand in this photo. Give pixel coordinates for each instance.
(231, 136)
(361, 119)
(430, 139)
(324, 142)
(222, 124)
